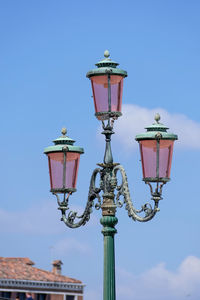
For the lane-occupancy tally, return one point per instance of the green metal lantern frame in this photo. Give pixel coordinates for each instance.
(107, 67)
(63, 144)
(158, 132)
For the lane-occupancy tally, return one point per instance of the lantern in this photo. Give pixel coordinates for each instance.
(107, 88)
(156, 149)
(63, 159)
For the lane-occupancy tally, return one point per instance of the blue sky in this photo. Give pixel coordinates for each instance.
(46, 49)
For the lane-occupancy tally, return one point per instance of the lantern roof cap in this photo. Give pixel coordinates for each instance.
(64, 139)
(157, 125)
(106, 61)
(156, 130)
(106, 66)
(63, 143)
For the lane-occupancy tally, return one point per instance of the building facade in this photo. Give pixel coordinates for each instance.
(18, 276)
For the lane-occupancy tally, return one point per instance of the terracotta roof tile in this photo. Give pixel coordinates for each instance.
(22, 269)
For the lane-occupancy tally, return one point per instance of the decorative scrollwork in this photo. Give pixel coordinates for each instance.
(108, 184)
(72, 216)
(123, 190)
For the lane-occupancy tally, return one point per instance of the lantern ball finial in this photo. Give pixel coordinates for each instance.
(106, 53)
(64, 131)
(157, 117)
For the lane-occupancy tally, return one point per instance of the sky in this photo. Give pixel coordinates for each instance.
(46, 49)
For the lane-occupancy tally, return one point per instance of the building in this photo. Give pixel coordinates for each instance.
(19, 276)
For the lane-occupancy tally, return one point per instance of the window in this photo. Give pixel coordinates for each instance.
(41, 296)
(5, 295)
(70, 297)
(22, 296)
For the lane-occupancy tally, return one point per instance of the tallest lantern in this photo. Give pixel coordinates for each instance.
(107, 88)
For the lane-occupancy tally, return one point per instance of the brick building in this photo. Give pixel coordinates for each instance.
(18, 276)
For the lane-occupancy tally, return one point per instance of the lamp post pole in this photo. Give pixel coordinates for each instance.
(108, 222)
(156, 147)
(109, 231)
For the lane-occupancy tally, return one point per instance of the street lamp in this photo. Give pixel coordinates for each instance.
(156, 147)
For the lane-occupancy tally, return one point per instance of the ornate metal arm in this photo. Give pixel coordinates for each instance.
(123, 190)
(108, 185)
(69, 220)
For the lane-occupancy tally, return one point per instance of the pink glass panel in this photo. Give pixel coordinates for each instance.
(72, 169)
(148, 151)
(148, 157)
(165, 159)
(100, 92)
(56, 169)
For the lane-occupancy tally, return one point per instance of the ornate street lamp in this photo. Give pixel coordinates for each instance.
(63, 158)
(156, 147)
(107, 87)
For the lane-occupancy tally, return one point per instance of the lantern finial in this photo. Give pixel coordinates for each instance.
(64, 131)
(157, 117)
(106, 53)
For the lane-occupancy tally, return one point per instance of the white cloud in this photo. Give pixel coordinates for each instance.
(70, 245)
(38, 219)
(160, 283)
(135, 118)
(43, 218)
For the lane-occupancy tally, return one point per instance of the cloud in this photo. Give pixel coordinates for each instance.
(43, 218)
(135, 118)
(160, 283)
(64, 246)
(38, 219)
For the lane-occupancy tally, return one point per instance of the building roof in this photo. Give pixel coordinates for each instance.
(20, 268)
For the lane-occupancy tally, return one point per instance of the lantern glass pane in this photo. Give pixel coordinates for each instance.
(148, 157)
(100, 93)
(72, 169)
(63, 176)
(148, 149)
(56, 169)
(165, 158)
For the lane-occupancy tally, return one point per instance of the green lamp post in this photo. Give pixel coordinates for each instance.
(156, 148)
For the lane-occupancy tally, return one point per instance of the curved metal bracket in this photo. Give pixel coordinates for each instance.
(123, 190)
(72, 216)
